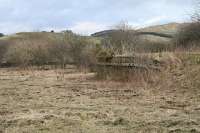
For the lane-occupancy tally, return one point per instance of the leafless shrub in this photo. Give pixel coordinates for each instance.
(59, 51)
(121, 40)
(51, 48)
(3, 49)
(188, 36)
(19, 54)
(73, 49)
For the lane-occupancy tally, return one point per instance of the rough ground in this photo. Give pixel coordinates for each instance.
(49, 101)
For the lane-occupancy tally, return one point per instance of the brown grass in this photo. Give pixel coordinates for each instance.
(37, 101)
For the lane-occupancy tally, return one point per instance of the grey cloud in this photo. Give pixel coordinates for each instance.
(60, 14)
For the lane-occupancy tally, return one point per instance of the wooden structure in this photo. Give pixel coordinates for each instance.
(125, 67)
(128, 62)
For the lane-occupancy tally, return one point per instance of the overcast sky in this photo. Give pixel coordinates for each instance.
(88, 16)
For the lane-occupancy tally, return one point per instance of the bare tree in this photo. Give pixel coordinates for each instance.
(122, 40)
(123, 25)
(189, 34)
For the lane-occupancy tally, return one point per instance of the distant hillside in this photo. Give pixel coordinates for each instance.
(170, 28)
(39, 36)
(153, 33)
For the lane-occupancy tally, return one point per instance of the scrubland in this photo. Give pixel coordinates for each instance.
(50, 82)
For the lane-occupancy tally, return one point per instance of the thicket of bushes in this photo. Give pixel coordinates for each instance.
(49, 48)
(188, 36)
(3, 49)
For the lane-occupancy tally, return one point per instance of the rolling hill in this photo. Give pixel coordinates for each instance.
(152, 33)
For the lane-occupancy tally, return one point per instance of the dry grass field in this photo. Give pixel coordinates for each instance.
(70, 101)
(58, 76)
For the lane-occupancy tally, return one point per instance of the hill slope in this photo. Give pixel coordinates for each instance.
(170, 28)
(152, 33)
